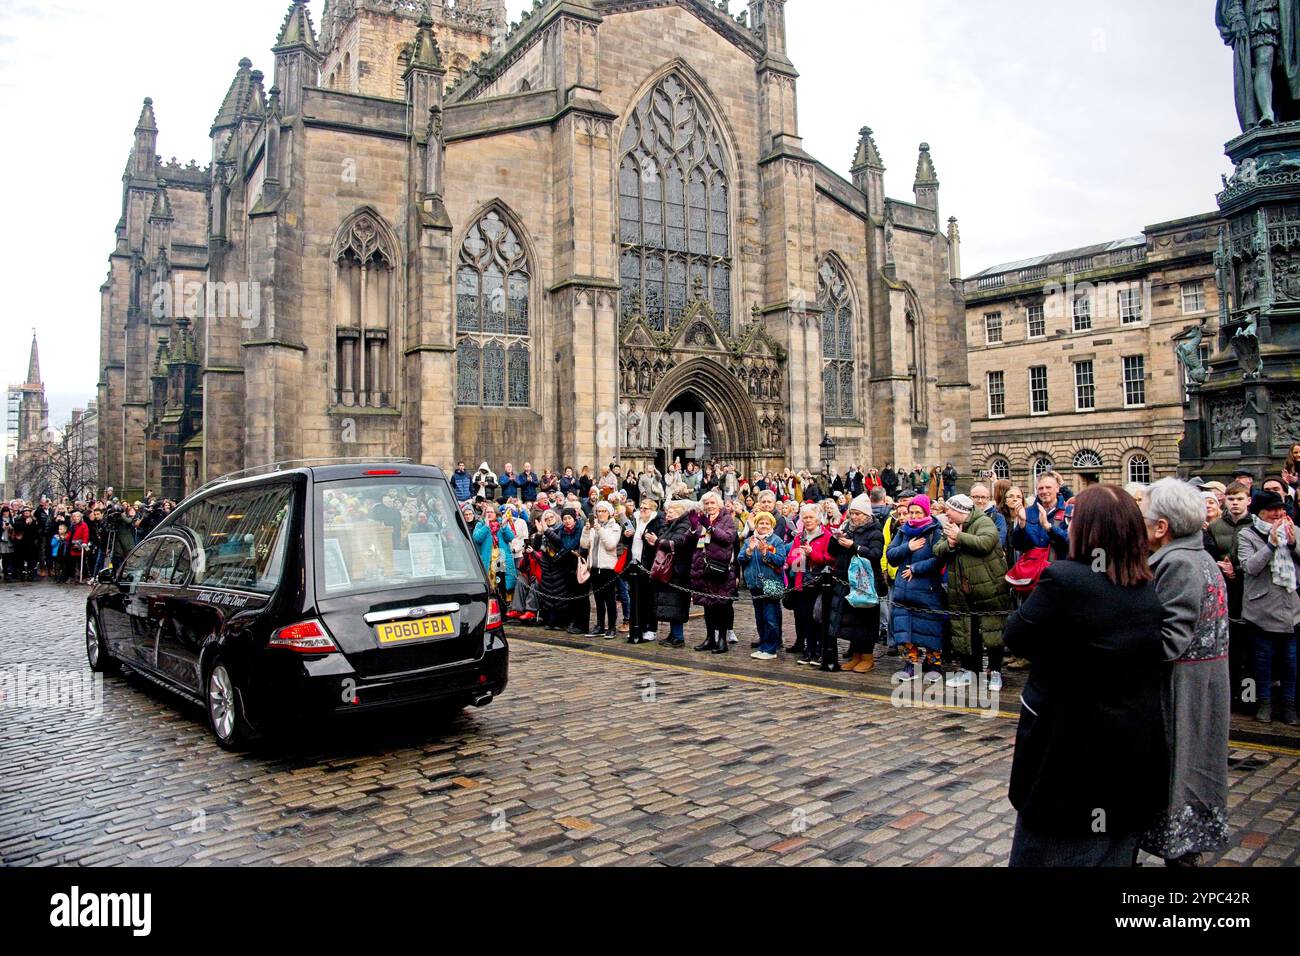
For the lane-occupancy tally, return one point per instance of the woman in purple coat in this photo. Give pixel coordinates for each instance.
(713, 571)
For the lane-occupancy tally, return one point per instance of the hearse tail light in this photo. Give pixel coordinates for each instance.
(494, 614)
(309, 637)
(387, 472)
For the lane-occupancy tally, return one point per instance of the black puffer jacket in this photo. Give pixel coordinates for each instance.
(847, 621)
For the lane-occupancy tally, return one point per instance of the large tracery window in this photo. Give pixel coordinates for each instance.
(836, 306)
(493, 346)
(364, 260)
(675, 218)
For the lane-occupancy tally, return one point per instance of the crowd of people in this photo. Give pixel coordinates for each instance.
(69, 540)
(1144, 615)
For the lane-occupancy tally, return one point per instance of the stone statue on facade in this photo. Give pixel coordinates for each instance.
(1265, 40)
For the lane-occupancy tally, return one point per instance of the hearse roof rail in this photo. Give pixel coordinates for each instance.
(289, 463)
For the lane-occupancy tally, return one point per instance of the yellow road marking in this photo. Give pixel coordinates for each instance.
(837, 692)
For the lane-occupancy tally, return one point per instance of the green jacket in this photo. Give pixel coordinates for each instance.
(977, 572)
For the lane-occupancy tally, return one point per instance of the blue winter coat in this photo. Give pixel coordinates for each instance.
(923, 628)
(759, 567)
(461, 484)
(483, 538)
(1001, 522)
(509, 485)
(1035, 535)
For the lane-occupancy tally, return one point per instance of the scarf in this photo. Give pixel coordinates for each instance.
(1281, 567)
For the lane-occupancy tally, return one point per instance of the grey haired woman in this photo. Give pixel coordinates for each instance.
(1197, 692)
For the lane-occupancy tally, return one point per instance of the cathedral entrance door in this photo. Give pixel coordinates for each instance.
(682, 432)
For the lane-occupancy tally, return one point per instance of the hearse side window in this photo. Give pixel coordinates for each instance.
(386, 533)
(170, 563)
(133, 567)
(241, 536)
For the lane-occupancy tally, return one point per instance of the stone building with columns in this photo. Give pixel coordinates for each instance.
(432, 234)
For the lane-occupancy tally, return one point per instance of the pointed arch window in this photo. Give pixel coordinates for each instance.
(835, 303)
(493, 340)
(364, 304)
(674, 209)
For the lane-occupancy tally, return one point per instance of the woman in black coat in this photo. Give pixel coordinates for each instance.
(677, 537)
(1090, 766)
(553, 591)
(861, 536)
(645, 532)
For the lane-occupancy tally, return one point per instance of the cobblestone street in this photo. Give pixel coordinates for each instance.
(590, 757)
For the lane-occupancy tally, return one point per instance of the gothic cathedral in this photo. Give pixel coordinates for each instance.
(439, 236)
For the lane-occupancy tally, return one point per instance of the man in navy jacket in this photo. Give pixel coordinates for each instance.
(1042, 523)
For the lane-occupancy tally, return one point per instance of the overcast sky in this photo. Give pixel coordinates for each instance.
(1052, 123)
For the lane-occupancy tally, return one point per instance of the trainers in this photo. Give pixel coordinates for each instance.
(763, 656)
(995, 681)
(648, 637)
(962, 678)
(731, 638)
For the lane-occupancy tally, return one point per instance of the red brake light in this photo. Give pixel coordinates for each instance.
(494, 614)
(308, 637)
(383, 472)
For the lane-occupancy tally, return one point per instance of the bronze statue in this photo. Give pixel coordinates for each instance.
(1189, 353)
(1265, 40)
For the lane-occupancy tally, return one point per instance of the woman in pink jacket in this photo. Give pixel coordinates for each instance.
(808, 554)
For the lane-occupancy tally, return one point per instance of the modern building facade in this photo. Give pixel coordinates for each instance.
(440, 237)
(1072, 355)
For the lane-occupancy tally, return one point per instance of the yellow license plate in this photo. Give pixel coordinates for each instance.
(397, 632)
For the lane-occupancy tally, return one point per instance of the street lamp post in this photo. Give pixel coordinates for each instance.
(828, 451)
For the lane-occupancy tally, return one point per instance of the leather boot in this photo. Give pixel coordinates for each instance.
(710, 643)
(852, 661)
(865, 665)
(723, 643)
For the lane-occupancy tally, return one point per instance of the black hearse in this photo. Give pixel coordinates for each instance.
(281, 597)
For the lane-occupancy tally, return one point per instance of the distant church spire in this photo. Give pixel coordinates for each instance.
(34, 364)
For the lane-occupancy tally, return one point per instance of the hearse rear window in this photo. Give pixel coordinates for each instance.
(381, 533)
(242, 535)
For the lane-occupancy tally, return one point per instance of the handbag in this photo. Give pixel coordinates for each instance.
(1024, 574)
(716, 571)
(862, 583)
(584, 572)
(662, 569)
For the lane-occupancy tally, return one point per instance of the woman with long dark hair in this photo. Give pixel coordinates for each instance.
(1090, 769)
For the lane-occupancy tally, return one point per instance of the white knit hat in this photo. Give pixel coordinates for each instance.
(861, 503)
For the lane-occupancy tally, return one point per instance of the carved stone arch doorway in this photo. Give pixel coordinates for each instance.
(700, 408)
